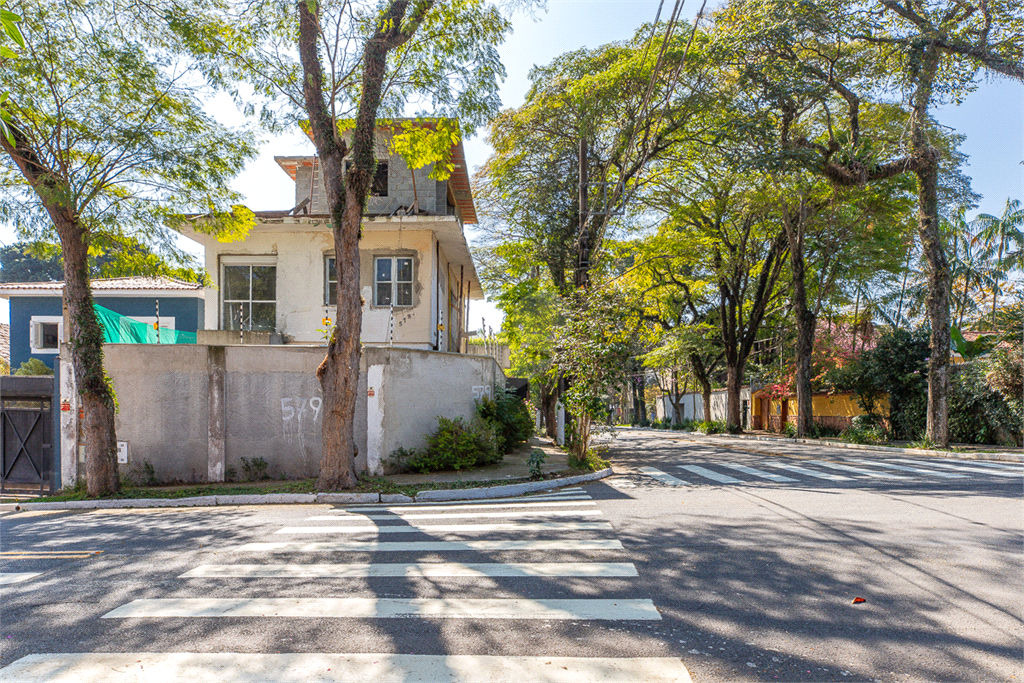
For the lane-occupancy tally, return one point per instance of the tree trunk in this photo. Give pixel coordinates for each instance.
(938, 306)
(339, 371)
(805, 318)
(927, 171)
(733, 384)
(85, 333)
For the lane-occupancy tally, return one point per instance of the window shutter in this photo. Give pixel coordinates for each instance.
(36, 334)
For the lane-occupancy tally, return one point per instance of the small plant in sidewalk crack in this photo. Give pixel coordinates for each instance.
(535, 462)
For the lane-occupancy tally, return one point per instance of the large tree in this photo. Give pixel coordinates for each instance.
(109, 138)
(379, 59)
(930, 51)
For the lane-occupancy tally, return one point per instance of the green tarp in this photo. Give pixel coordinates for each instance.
(120, 329)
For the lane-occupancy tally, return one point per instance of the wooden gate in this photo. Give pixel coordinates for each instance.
(27, 458)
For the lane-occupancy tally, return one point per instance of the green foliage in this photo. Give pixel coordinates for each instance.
(25, 262)
(255, 469)
(144, 153)
(34, 366)
(149, 474)
(789, 429)
(820, 431)
(593, 347)
(898, 368)
(509, 416)
(455, 445)
(709, 427)
(591, 462)
(864, 435)
(535, 461)
(8, 32)
(427, 142)
(970, 350)
(977, 412)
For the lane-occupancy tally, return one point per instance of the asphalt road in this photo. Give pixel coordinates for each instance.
(714, 555)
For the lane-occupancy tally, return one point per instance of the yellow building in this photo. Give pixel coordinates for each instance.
(830, 410)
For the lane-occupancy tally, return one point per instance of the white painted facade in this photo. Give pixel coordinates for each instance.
(421, 220)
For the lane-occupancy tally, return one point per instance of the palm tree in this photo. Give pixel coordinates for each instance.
(998, 234)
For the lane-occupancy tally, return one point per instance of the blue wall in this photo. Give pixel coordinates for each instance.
(188, 314)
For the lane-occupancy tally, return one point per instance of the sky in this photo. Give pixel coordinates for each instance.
(992, 117)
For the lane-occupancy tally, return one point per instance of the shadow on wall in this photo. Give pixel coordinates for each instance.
(191, 413)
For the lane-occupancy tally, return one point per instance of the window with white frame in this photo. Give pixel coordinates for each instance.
(330, 281)
(249, 296)
(45, 333)
(393, 281)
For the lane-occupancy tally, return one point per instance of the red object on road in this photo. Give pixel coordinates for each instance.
(858, 600)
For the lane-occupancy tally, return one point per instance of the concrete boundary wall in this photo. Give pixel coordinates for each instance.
(197, 413)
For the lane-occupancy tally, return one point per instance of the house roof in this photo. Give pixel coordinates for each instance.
(114, 286)
(458, 182)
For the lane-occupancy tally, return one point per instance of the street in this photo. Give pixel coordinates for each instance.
(729, 560)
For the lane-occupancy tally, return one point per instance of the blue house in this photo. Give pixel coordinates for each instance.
(37, 317)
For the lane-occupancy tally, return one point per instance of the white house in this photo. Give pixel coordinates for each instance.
(417, 276)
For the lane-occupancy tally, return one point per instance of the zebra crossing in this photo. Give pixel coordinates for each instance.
(846, 470)
(565, 523)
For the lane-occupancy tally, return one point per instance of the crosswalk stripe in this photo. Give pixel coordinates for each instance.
(663, 477)
(479, 501)
(998, 465)
(856, 470)
(918, 470)
(16, 577)
(709, 474)
(758, 473)
(554, 503)
(391, 608)
(430, 546)
(301, 667)
(447, 528)
(411, 569)
(470, 515)
(959, 468)
(806, 472)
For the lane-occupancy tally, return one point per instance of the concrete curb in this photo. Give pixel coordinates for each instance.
(509, 490)
(501, 491)
(1005, 457)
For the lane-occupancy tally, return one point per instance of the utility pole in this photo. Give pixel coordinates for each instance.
(583, 266)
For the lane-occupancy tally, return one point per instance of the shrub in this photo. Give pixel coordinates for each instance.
(457, 445)
(709, 427)
(397, 461)
(820, 431)
(866, 435)
(537, 459)
(977, 412)
(510, 417)
(789, 429)
(255, 469)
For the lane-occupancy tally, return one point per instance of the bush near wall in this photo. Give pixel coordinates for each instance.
(977, 412)
(454, 445)
(502, 422)
(510, 417)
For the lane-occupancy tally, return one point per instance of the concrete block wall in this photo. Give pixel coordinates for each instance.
(193, 411)
(432, 194)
